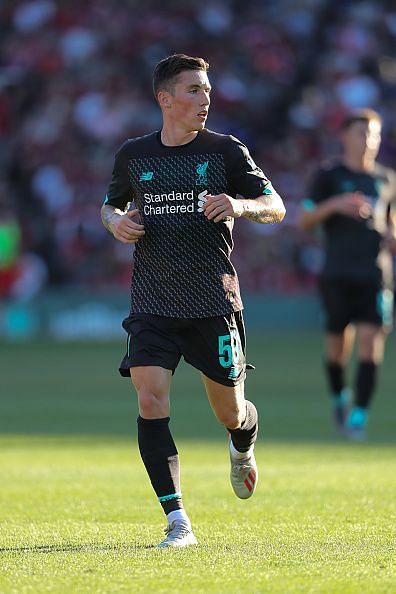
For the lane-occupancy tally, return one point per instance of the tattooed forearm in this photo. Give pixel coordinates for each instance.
(109, 215)
(266, 209)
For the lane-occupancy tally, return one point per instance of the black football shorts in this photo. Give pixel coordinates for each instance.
(215, 346)
(346, 302)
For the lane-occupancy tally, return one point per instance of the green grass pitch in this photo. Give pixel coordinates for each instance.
(77, 514)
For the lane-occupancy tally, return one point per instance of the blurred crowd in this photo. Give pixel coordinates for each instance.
(75, 82)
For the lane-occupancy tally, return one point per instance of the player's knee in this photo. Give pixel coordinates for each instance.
(149, 404)
(232, 419)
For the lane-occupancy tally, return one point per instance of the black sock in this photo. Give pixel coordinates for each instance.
(365, 383)
(160, 457)
(335, 377)
(244, 437)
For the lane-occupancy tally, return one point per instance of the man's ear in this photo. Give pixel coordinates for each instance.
(164, 99)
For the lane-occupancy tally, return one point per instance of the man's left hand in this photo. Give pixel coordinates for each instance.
(219, 207)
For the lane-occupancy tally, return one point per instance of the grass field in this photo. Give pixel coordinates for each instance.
(77, 514)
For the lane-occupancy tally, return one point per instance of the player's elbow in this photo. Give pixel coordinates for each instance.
(301, 222)
(279, 209)
(277, 215)
(307, 217)
(281, 212)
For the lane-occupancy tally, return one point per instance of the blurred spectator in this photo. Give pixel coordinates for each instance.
(10, 240)
(75, 80)
(22, 274)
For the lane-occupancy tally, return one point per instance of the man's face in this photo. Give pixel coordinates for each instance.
(363, 137)
(187, 105)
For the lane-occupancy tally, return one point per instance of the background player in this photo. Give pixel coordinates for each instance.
(354, 200)
(185, 298)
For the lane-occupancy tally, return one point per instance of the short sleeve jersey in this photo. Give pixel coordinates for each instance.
(353, 248)
(182, 264)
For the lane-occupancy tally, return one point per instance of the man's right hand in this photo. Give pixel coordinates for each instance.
(351, 204)
(125, 229)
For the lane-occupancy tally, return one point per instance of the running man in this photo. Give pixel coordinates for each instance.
(188, 184)
(354, 199)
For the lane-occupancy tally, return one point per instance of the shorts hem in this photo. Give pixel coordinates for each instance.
(125, 371)
(338, 329)
(230, 383)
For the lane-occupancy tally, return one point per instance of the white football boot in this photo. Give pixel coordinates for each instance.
(178, 534)
(243, 475)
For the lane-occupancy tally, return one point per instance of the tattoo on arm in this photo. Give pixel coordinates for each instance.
(109, 214)
(265, 209)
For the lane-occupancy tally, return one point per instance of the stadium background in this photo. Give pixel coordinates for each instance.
(75, 81)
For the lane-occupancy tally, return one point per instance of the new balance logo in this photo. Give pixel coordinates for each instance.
(201, 200)
(233, 373)
(147, 176)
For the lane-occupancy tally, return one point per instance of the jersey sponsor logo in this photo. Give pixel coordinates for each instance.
(169, 203)
(173, 203)
(201, 170)
(201, 200)
(147, 176)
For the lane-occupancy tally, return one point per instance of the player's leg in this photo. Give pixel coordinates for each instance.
(233, 411)
(370, 351)
(151, 357)
(373, 313)
(338, 346)
(216, 346)
(240, 418)
(339, 342)
(158, 450)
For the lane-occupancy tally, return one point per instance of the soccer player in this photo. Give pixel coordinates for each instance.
(354, 200)
(188, 184)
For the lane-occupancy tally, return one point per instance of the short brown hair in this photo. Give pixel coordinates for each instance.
(361, 115)
(168, 69)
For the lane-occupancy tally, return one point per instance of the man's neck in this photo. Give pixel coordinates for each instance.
(176, 137)
(359, 163)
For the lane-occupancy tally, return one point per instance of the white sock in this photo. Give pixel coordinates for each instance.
(178, 514)
(236, 455)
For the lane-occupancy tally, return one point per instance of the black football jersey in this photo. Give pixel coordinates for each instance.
(353, 248)
(182, 265)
